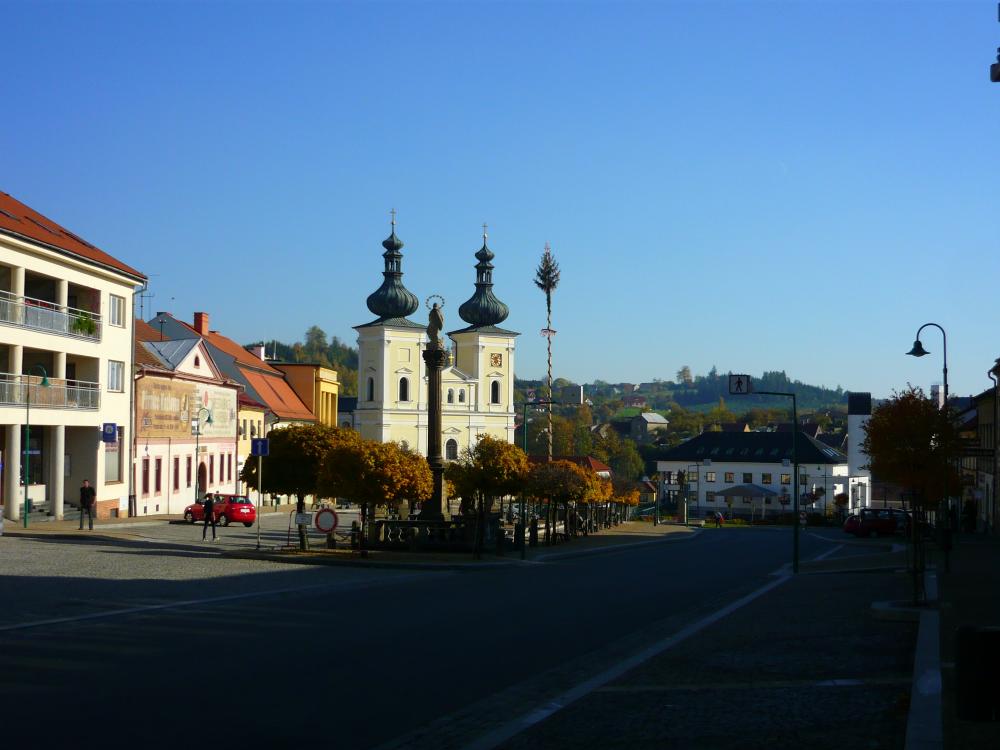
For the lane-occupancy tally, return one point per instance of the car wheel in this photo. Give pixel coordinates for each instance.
(248, 524)
(224, 520)
(189, 517)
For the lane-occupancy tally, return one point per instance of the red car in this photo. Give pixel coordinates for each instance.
(228, 509)
(878, 522)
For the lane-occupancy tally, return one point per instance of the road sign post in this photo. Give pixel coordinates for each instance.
(742, 385)
(259, 447)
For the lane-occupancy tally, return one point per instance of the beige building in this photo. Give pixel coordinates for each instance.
(65, 363)
(477, 385)
(317, 386)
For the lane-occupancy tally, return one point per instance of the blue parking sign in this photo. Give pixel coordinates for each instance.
(109, 432)
(259, 446)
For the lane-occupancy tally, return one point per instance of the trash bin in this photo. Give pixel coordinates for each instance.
(977, 662)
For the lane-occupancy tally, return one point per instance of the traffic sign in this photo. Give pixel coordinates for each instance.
(259, 446)
(326, 520)
(303, 519)
(740, 384)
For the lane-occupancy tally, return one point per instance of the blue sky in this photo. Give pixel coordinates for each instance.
(750, 185)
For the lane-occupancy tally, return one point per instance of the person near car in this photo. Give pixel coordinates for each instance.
(209, 508)
(87, 498)
(718, 520)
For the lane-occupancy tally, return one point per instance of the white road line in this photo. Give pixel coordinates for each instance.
(505, 732)
(211, 600)
(826, 554)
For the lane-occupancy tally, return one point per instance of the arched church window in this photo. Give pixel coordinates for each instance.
(371, 389)
(451, 450)
(451, 395)
(404, 389)
(495, 392)
(461, 397)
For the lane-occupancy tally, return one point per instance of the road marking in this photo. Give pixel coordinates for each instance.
(526, 721)
(346, 586)
(827, 553)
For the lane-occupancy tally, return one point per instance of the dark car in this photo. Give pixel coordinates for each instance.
(228, 509)
(878, 522)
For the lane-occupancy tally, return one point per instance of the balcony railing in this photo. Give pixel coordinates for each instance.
(58, 394)
(43, 315)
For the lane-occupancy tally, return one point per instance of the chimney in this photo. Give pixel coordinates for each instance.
(201, 323)
(257, 351)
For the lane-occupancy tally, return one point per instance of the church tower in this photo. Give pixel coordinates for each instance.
(391, 390)
(484, 353)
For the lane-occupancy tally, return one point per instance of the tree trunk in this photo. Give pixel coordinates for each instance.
(300, 507)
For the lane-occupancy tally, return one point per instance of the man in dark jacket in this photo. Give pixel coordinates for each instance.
(87, 498)
(209, 506)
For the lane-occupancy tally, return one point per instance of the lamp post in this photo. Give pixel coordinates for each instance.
(197, 455)
(27, 435)
(919, 351)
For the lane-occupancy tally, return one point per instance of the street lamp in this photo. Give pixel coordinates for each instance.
(919, 351)
(27, 435)
(197, 455)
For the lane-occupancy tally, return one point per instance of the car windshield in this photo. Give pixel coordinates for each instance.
(239, 499)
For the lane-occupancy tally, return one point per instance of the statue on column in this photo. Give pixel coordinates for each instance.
(435, 324)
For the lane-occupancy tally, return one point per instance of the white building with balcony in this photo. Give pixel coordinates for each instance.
(66, 356)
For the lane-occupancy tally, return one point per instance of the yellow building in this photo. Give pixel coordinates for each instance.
(477, 386)
(317, 386)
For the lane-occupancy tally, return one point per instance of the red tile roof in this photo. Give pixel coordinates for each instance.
(145, 332)
(587, 462)
(17, 218)
(280, 397)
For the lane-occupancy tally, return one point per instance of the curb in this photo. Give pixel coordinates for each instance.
(365, 563)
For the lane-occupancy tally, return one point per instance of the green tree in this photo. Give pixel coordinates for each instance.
(913, 443)
(547, 279)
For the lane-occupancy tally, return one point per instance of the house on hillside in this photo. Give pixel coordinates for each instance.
(643, 426)
(634, 401)
(749, 474)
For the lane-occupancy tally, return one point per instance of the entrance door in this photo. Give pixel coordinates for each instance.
(202, 480)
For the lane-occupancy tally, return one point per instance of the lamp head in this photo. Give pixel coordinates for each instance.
(45, 381)
(918, 349)
(208, 419)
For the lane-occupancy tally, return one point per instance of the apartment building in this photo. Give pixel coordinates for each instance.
(66, 352)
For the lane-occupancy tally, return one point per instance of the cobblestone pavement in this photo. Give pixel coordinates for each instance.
(804, 666)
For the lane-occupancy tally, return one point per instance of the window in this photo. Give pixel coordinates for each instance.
(786, 478)
(177, 473)
(495, 392)
(766, 478)
(451, 395)
(668, 477)
(158, 476)
(709, 497)
(117, 310)
(730, 477)
(461, 397)
(243, 432)
(747, 477)
(145, 476)
(211, 469)
(709, 476)
(371, 389)
(404, 389)
(188, 472)
(803, 479)
(116, 376)
(451, 449)
(197, 361)
(229, 467)
(113, 460)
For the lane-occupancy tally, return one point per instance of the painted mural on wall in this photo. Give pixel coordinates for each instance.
(166, 408)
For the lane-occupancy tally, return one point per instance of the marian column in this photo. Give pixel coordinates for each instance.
(435, 358)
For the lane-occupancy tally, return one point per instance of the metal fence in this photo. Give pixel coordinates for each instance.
(43, 315)
(58, 394)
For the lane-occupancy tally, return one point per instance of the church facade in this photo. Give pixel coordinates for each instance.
(477, 384)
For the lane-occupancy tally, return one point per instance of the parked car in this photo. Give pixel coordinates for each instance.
(228, 509)
(877, 522)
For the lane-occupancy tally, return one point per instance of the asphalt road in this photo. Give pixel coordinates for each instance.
(158, 640)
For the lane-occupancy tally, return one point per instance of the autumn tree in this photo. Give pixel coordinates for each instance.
(913, 443)
(372, 473)
(293, 463)
(559, 482)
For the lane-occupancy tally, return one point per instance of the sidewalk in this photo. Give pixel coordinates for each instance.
(970, 595)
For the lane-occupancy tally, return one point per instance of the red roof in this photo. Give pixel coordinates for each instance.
(17, 218)
(587, 462)
(278, 395)
(145, 332)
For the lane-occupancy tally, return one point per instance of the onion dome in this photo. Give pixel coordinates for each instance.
(392, 299)
(483, 308)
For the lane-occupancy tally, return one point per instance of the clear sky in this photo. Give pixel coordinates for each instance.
(751, 185)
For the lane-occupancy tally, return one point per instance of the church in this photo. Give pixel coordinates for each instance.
(477, 383)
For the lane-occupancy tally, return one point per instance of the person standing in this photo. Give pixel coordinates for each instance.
(209, 507)
(87, 498)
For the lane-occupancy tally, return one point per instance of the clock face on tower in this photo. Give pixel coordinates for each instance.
(496, 360)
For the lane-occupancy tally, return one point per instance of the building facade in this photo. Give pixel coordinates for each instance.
(477, 384)
(66, 352)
